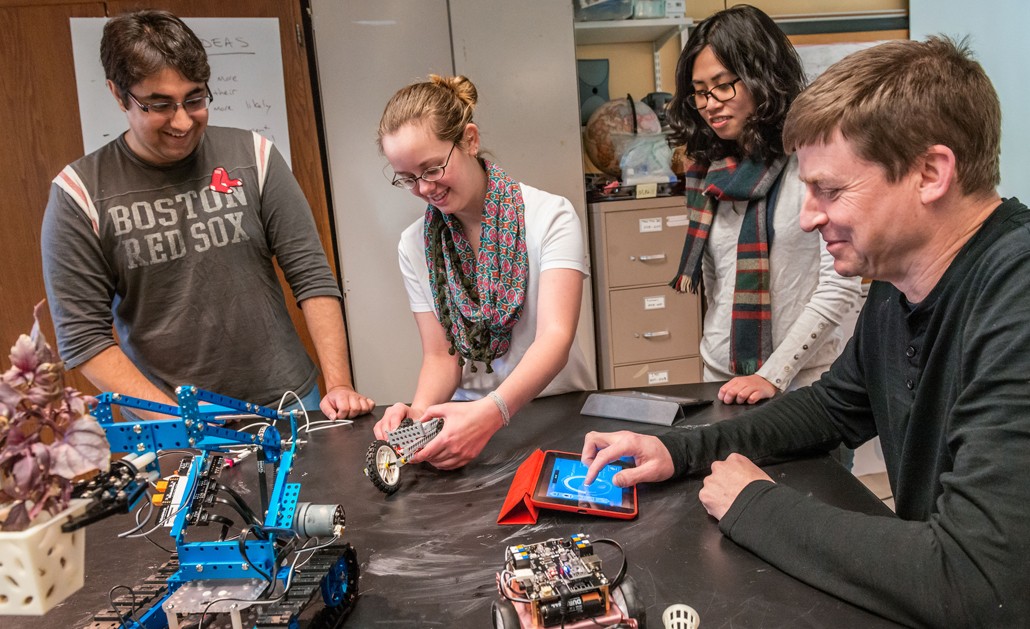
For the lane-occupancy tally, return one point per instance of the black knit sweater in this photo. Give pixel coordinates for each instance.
(946, 386)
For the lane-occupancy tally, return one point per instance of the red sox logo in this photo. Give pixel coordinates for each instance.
(220, 181)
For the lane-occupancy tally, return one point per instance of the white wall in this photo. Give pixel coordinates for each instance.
(998, 34)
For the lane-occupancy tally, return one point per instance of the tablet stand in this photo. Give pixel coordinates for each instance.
(636, 406)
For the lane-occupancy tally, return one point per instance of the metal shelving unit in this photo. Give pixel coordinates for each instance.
(656, 31)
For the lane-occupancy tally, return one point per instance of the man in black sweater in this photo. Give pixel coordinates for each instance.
(899, 148)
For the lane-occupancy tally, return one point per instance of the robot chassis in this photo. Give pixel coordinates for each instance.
(214, 579)
(384, 459)
(559, 583)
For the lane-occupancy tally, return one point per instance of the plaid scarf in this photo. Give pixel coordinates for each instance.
(479, 300)
(730, 180)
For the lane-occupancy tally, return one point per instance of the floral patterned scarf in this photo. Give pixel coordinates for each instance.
(479, 300)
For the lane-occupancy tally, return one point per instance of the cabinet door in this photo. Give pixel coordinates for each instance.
(642, 247)
(366, 51)
(528, 113)
(652, 323)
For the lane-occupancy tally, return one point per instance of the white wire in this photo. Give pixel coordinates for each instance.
(300, 403)
(187, 500)
(329, 423)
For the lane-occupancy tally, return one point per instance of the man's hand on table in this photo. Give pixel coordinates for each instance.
(343, 402)
(727, 480)
(653, 462)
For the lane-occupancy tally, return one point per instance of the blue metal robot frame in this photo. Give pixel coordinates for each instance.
(199, 427)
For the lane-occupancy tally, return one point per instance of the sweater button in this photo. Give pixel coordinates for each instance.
(910, 352)
(910, 384)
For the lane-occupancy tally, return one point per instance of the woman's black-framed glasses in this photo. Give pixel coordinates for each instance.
(167, 108)
(431, 174)
(721, 92)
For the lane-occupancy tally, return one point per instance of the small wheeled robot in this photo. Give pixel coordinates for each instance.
(559, 583)
(384, 459)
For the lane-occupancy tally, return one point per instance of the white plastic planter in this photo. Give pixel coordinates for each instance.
(41, 566)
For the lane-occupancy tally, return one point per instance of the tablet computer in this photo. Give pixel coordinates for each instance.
(560, 486)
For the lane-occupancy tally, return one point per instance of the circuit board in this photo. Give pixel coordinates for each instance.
(561, 578)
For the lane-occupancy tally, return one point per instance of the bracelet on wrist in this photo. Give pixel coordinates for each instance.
(501, 406)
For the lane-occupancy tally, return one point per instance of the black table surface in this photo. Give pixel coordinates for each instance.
(429, 553)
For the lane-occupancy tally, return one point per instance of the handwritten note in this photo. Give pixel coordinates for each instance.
(246, 79)
(815, 59)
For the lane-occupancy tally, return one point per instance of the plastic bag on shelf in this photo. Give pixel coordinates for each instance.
(645, 158)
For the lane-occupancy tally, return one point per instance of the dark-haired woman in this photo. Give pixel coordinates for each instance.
(494, 273)
(774, 300)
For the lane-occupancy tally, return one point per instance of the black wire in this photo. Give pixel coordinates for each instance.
(147, 537)
(622, 570)
(243, 552)
(121, 617)
(247, 517)
(240, 501)
(225, 522)
(286, 590)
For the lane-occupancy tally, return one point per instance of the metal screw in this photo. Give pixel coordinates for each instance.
(137, 429)
(193, 441)
(188, 423)
(245, 567)
(140, 447)
(200, 567)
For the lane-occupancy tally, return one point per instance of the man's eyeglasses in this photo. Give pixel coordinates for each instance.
(722, 93)
(168, 108)
(431, 174)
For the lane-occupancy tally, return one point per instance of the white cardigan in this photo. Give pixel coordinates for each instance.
(809, 298)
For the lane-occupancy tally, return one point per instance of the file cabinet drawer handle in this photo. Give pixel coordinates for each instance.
(653, 335)
(657, 257)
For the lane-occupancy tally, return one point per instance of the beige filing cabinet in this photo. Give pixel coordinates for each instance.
(647, 333)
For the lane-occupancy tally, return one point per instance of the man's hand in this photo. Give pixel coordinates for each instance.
(467, 427)
(653, 461)
(746, 389)
(343, 402)
(727, 480)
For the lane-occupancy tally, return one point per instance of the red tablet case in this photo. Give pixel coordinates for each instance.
(518, 507)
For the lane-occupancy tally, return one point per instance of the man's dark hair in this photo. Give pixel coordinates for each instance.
(750, 45)
(140, 44)
(895, 100)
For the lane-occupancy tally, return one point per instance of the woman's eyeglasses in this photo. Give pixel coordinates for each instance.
(722, 93)
(431, 174)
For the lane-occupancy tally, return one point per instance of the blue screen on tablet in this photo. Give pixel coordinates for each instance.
(566, 483)
(561, 485)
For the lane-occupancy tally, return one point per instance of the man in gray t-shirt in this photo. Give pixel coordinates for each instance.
(167, 235)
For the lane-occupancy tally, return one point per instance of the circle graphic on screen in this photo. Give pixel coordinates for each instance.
(575, 483)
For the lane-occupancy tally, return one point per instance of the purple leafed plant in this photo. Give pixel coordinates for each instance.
(47, 436)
